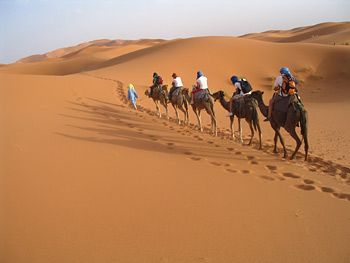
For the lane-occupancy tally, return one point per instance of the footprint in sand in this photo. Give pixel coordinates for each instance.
(307, 181)
(238, 153)
(230, 149)
(325, 189)
(188, 153)
(342, 196)
(216, 164)
(271, 168)
(231, 170)
(266, 177)
(254, 162)
(245, 171)
(291, 175)
(196, 158)
(305, 187)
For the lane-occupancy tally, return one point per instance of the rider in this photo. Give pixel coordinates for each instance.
(155, 81)
(279, 88)
(176, 83)
(202, 83)
(237, 94)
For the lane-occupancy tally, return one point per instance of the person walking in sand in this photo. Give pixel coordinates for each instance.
(132, 95)
(176, 84)
(279, 87)
(202, 83)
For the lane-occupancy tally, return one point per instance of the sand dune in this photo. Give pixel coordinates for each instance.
(305, 34)
(61, 52)
(86, 178)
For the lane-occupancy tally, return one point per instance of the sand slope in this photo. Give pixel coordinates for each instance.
(320, 33)
(85, 178)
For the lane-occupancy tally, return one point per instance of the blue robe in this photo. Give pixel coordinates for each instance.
(132, 95)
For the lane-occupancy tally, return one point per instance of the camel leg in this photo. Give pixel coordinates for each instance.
(285, 154)
(158, 109)
(185, 116)
(252, 132)
(213, 125)
(232, 127)
(198, 114)
(275, 139)
(240, 130)
(177, 114)
(292, 132)
(167, 112)
(165, 105)
(259, 131)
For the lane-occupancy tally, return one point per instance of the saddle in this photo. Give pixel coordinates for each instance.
(202, 94)
(176, 92)
(283, 104)
(239, 106)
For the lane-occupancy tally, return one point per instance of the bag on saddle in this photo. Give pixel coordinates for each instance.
(200, 94)
(288, 85)
(245, 85)
(239, 106)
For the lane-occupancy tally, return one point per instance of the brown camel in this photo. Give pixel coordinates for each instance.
(288, 120)
(206, 103)
(249, 113)
(160, 94)
(179, 101)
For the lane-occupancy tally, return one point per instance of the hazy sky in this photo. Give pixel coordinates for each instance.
(29, 27)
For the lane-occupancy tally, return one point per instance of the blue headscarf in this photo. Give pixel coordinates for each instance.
(234, 79)
(285, 71)
(199, 74)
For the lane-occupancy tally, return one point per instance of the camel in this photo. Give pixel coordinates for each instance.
(288, 120)
(160, 94)
(250, 114)
(179, 101)
(206, 104)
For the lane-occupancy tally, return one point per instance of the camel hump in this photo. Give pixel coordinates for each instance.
(282, 104)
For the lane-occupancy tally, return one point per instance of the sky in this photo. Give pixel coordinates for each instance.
(29, 27)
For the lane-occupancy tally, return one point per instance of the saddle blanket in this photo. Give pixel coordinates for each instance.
(283, 104)
(176, 92)
(200, 94)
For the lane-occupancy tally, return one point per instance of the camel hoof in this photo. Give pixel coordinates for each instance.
(275, 151)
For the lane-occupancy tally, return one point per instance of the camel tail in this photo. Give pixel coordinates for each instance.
(303, 124)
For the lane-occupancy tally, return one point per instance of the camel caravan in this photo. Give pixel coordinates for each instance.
(285, 109)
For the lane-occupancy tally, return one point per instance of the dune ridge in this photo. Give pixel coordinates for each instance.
(308, 34)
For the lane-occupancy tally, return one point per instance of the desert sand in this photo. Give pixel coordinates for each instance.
(86, 178)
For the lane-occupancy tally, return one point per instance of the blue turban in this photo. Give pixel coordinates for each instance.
(285, 71)
(199, 74)
(234, 79)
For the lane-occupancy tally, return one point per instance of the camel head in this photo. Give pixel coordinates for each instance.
(218, 95)
(184, 91)
(257, 94)
(164, 87)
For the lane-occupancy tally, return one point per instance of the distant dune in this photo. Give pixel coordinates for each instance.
(325, 33)
(96, 43)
